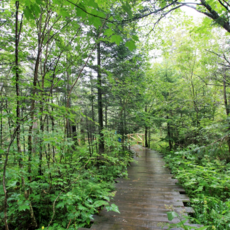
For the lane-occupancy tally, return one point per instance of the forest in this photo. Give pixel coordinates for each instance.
(78, 76)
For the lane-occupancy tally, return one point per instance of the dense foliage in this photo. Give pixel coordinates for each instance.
(69, 192)
(206, 181)
(190, 88)
(77, 76)
(58, 160)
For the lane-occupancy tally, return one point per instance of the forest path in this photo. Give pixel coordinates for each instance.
(142, 198)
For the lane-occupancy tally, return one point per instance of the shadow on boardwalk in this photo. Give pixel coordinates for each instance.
(142, 198)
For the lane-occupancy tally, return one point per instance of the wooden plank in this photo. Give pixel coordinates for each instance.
(144, 198)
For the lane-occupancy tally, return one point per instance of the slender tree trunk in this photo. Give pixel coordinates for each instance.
(106, 116)
(225, 98)
(68, 130)
(123, 127)
(146, 131)
(33, 102)
(48, 146)
(17, 82)
(52, 128)
(74, 134)
(149, 144)
(92, 124)
(17, 117)
(125, 124)
(1, 127)
(41, 137)
(82, 140)
(8, 118)
(42, 122)
(92, 100)
(227, 110)
(100, 106)
(169, 134)
(41, 147)
(23, 131)
(146, 137)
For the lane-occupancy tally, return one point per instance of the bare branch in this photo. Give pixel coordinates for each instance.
(223, 4)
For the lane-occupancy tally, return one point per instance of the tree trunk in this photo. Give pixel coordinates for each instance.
(146, 131)
(52, 127)
(227, 110)
(74, 134)
(1, 126)
(149, 138)
(82, 140)
(33, 101)
(146, 137)
(92, 97)
(106, 116)
(69, 123)
(169, 135)
(100, 106)
(17, 82)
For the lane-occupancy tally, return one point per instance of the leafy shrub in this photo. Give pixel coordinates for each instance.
(207, 182)
(70, 192)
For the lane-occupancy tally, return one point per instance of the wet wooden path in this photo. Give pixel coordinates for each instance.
(142, 199)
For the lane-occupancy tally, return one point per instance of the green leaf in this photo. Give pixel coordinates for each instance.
(101, 14)
(36, 9)
(24, 206)
(200, 188)
(12, 184)
(81, 207)
(92, 3)
(113, 208)
(203, 228)
(97, 22)
(171, 215)
(131, 45)
(108, 32)
(81, 13)
(116, 38)
(100, 203)
(61, 204)
(39, 2)
(134, 37)
(56, 2)
(28, 14)
(64, 223)
(127, 8)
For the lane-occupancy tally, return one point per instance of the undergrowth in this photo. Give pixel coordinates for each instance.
(69, 192)
(206, 180)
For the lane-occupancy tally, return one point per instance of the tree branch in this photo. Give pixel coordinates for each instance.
(223, 4)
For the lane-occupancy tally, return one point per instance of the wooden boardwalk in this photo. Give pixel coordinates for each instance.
(142, 199)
